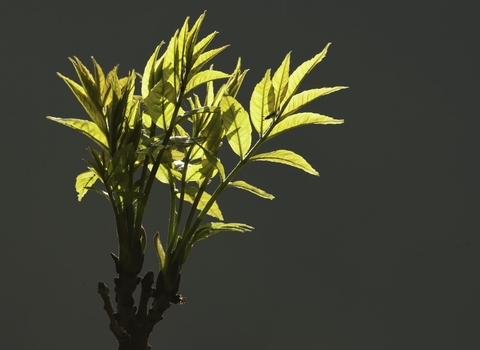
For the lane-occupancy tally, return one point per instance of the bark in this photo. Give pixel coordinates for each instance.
(131, 324)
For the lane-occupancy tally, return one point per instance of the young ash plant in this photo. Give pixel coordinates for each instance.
(154, 136)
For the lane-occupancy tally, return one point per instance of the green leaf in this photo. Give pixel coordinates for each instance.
(148, 78)
(285, 157)
(301, 99)
(192, 192)
(202, 45)
(91, 107)
(181, 50)
(211, 129)
(247, 187)
(86, 127)
(236, 80)
(99, 78)
(160, 251)
(87, 80)
(191, 40)
(201, 110)
(171, 63)
(204, 77)
(84, 181)
(237, 125)
(212, 228)
(210, 94)
(280, 81)
(165, 174)
(208, 168)
(262, 104)
(299, 74)
(160, 104)
(205, 57)
(300, 119)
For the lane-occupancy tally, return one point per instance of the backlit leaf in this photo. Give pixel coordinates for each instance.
(87, 80)
(300, 119)
(160, 104)
(301, 99)
(202, 45)
(160, 251)
(86, 127)
(84, 181)
(212, 228)
(237, 125)
(280, 80)
(299, 74)
(148, 78)
(285, 157)
(91, 107)
(191, 193)
(205, 57)
(99, 77)
(262, 104)
(204, 77)
(247, 187)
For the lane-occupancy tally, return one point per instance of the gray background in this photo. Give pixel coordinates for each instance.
(380, 252)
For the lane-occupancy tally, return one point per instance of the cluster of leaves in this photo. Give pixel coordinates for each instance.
(155, 136)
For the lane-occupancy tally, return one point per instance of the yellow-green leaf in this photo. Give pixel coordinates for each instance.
(202, 45)
(247, 187)
(160, 251)
(300, 119)
(212, 228)
(280, 81)
(205, 57)
(99, 78)
(299, 74)
(237, 125)
(192, 192)
(182, 46)
(91, 107)
(210, 94)
(262, 104)
(83, 181)
(148, 78)
(301, 99)
(160, 104)
(171, 62)
(86, 127)
(87, 80)
(286, 157)
(193, 36)
(204, 77)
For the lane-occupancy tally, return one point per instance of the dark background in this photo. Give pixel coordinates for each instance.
(380, 252)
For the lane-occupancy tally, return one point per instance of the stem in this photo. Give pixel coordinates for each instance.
(227, 180)
(143, 202)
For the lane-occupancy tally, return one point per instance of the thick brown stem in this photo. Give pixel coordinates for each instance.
(132, 326)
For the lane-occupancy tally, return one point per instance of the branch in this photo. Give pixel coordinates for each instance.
(145, 295)
(118, 331)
